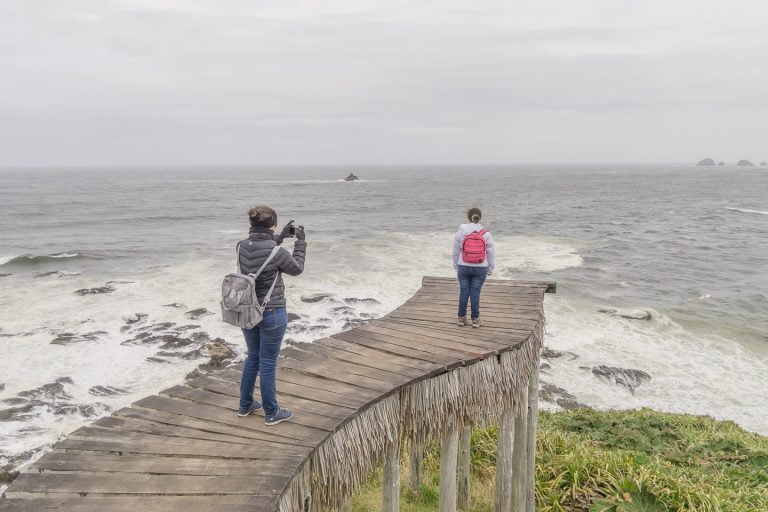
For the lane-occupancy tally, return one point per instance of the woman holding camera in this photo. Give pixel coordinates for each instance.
(264, 340)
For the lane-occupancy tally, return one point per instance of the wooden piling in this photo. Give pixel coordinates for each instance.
(464, 464)
(448, 459)
(520, 456)
(502, 499)
(346, 506)
(391, 479)
(530, 470)
(415, 456)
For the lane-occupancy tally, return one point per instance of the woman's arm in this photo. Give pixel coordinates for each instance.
(456, 250)
(490, 252)
(292, 264)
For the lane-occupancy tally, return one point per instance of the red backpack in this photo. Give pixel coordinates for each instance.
(473, 247)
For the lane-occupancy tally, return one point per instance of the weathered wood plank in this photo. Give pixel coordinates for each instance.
(136, 483)
(321, 370)
(423, 367)
(382, 362)
(247, 503)
(316, 357)
(418, 351)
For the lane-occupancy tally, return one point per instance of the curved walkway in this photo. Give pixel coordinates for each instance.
(354, 394)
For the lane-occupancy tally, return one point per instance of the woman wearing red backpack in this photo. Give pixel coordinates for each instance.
(473, 260)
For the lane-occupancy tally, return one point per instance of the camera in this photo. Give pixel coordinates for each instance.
(292, 231)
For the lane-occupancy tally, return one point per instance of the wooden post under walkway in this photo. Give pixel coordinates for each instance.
(185, 450)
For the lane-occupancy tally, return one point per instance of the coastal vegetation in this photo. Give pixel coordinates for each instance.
(614, 461)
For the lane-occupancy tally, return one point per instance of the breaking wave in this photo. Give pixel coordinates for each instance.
(30, 259)
(747, 210)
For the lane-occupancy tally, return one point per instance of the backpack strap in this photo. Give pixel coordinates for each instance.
(268, 296)
(237, 258)
(482, 232)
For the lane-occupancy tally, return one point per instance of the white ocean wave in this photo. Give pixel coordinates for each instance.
(747, 210)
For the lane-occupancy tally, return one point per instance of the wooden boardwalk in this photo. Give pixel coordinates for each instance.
(353, 394)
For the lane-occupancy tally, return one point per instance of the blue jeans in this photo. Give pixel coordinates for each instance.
(263, 342)
(471, 280)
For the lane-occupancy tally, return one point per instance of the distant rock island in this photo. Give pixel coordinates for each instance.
(720, 164)
(351, 177)
(763, 164)
(707, 162)
(745, 163)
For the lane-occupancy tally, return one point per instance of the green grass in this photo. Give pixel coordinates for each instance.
(616, 461)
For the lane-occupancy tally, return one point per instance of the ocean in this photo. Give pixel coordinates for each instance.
(96, 262)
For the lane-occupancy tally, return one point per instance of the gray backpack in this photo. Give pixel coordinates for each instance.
(239, 303)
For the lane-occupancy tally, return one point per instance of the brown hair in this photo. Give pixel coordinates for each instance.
(262, 214)
(474, 215)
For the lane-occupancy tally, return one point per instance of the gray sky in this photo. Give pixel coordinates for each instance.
(358, 81)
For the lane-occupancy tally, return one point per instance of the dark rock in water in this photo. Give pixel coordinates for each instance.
(351, 177)
(353, 322)
(355, 300)
(293, 317)
(200, 337)
(220, 354)
(549, 353)
(544, 365)
(45, 274)
(120, 281)
(157, 360)
(707, 162)
(170, 341)
(5, 275)
(52, 391)
(197, 313)
(745, 163)
(559, 396)
(344, 310)
(85, 410)
(175, 305)
(95, 291)
(162, 326)
(368, 316)
(721, 164)
(106, 391)
(317, 297)
(7, 476)
(134, 318)
(632, 314)
(2, 387)
(187, 327)
(192, 354)
(67, 338)
(627, 377)
(763, 164)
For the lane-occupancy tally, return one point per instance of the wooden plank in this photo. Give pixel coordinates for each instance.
(467, 352)
(448, 460)
(415, 458)
(451, 332)
(303, 417)
(150, 427)
(523, 325)
(291, 401)
(515, 300)
(390, 479)
(381, 361)
(136, 483)
(419, 352)
(497, 314)
(463, 467)
(453, 305)
(183, 446)
(423, 367)
(321, 370)
(502, 499)
(247, 503)
(172, 419)
(297, 384)
(389, 379)
(443, 326)
(206, 412)
(530, 456)
(62, 461)
(549, 286)
(457, 337)
(519, 457)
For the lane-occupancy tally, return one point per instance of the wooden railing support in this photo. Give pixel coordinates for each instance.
(502, 499)
(448, 458)
(464, 464)
(346, 506)
(530, 470)
(415, 456)
(520, 456)
(390, 501)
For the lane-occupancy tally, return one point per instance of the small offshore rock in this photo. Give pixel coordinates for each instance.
(197, 313)
(549, 353)
(2, 387)
(631, 314)
(317, 297)
(95, 291)
(46, 274)
(342, 309)
(721, 164)
(544, 365)
(292, 317)
(67, 338)
(157, 360)
(745, 163)
(7, 476)
(706, 162)
(627, 377)
(106, 391)
(5, 275)
(559, 396)
(220, 354)
(355, 300)
(175, 305)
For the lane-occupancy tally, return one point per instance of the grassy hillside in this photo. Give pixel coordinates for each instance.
(617, 461)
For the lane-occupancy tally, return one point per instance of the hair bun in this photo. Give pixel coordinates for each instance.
(475, 218)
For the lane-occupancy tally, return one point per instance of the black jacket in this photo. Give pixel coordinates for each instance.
(253, 251)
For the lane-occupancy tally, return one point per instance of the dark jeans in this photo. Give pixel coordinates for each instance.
(471, 280)
(263, 348)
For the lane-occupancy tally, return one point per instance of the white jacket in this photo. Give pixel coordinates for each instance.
(464, 230)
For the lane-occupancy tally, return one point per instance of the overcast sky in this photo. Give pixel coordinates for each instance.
(127, 82)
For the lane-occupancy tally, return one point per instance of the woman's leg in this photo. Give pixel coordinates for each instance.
(464, 281)
(478, 278)
(250, 368)
(272, 331)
